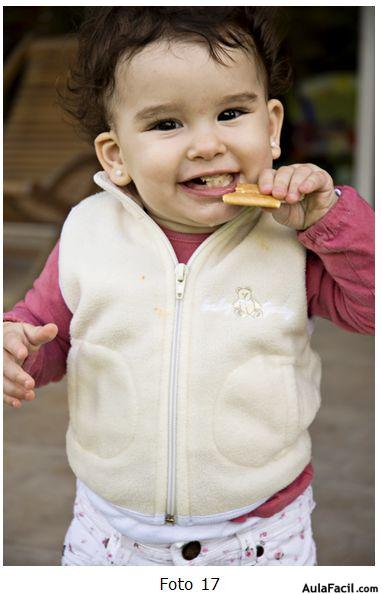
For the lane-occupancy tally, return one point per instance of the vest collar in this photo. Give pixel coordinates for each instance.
(102, 180)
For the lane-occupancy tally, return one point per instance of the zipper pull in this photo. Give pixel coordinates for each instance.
(170, 519)
(180, 279)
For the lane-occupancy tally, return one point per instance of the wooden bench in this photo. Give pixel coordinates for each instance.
(47, 167)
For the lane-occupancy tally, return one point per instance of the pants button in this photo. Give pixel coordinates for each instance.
(191, 550)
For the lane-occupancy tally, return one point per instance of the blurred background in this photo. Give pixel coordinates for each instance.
(48, 169)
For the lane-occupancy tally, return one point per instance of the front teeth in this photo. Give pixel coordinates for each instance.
(217, 181)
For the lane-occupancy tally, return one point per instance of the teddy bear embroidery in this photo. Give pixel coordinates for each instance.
(246, 305)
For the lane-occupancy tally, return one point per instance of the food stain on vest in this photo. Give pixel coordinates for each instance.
(161, 312)
(261, 242)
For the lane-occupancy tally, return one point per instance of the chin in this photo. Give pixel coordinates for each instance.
(218, 219)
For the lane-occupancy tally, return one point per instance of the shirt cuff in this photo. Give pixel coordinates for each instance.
(329, 226)
(10, 317)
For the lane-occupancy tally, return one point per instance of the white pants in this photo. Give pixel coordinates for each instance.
(283, 539)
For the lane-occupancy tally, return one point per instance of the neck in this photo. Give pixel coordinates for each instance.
(181, 227)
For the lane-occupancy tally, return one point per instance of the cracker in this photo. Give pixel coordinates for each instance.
(249, 195)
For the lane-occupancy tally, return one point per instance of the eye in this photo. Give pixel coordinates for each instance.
(230, 114)
(166, 125)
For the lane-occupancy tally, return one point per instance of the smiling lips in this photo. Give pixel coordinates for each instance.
(211, 185)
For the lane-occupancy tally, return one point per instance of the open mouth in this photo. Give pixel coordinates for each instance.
(211, 185)
(212, 181)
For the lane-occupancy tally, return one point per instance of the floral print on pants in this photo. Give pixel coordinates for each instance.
(283, 539)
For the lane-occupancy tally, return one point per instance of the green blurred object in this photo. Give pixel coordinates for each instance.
(332, 97)
(322, 111)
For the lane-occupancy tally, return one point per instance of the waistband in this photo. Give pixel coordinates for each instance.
(247, 543)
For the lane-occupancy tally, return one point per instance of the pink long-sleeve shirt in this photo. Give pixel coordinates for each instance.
(339, 286)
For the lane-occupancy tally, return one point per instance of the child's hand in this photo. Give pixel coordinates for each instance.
(289, 184)
(19, 341)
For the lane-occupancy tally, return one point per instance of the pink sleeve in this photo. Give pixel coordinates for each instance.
(340, 285)
(43, 304)
(340, 264)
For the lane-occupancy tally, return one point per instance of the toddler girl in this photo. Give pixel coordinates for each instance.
(182, 321)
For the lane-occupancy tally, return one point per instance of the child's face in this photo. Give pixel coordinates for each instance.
(178, 116)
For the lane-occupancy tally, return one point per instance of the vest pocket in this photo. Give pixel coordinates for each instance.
(258, 412)
(102, 399)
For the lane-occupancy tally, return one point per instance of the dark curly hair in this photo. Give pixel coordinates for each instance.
(111, 33)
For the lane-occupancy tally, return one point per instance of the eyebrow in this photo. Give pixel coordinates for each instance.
(239, 97)
(153, 111)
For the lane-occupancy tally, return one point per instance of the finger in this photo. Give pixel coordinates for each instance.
(265, 180)
(316, 180)
(15, 373)
(281, 181)
(300, 174)
(11, 401)
(39, 335)
(14, 345)
(282, 214)
(12, 389)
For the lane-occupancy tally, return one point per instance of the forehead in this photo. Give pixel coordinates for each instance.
(166, 70)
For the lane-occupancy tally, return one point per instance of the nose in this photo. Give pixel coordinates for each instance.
(206, 145)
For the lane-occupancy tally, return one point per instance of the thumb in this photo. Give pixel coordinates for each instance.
(282, 215)
(39, 335)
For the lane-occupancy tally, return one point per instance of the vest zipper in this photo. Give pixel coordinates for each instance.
(181, 270)
(180, 282)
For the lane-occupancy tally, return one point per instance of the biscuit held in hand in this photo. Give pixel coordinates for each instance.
(249, 195)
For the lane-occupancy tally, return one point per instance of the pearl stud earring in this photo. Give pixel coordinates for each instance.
(118, 173)
(274, 144)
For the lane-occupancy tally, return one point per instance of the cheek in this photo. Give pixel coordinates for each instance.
(158, 160)
(254, 139)
(255, 153)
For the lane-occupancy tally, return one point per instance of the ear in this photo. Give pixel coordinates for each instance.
(276, 116)
(110, 156)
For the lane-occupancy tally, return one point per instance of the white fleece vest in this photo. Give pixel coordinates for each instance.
(190, 387)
